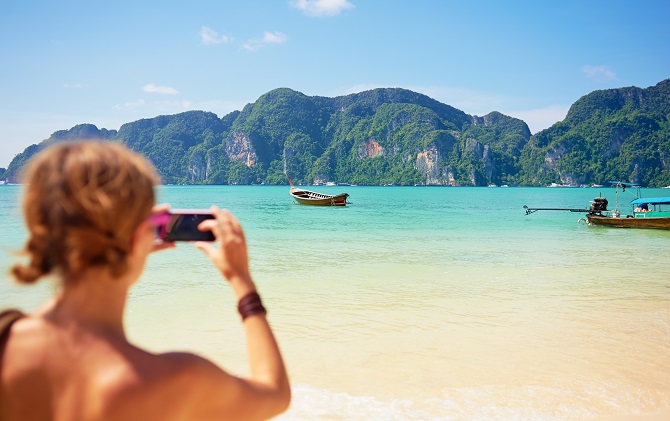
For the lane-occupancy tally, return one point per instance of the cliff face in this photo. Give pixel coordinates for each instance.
(428, 164)
(402, 137)
(198, 167)
(370, 149)
(239, 148)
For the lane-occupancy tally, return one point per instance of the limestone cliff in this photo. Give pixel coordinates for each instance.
(239, 148)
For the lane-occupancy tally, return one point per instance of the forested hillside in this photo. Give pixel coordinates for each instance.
(614, 134)
(396, 136)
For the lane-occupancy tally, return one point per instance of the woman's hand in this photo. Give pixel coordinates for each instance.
(161, 245)
(231, 257)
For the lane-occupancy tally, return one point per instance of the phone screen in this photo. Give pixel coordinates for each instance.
(183, 226)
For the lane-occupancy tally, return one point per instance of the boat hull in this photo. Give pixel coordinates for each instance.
(608, 221)
(306, 197)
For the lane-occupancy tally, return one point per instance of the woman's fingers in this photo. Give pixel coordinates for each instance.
(206, 248)
(222, 226)
(210, 225)
(162, 246)
(231, 254)
(162, 208)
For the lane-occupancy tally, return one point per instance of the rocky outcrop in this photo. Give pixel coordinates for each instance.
(321, 179)
(198, 166)
(239, 148)
(553, 156)
(370, 149)
(482, 153)
(427, 163)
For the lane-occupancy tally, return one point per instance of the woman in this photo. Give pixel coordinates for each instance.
(88, 209)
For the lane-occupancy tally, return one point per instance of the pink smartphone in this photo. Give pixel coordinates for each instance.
(182, 225)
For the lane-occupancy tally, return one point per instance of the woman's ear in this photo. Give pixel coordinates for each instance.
(143, 239)
(140, 246)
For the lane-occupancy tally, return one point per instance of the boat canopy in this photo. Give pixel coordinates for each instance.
(651, 201)
(624, 184)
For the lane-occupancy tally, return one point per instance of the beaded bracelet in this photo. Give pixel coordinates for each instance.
(250, 304)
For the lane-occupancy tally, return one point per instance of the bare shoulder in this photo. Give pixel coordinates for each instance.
(164, 370)
(203, 388)
(191, 368)
(195, 371)
(165, 386)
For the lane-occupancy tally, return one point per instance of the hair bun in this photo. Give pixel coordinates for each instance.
(83, 202)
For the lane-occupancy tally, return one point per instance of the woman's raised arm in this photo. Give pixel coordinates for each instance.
(267, 392)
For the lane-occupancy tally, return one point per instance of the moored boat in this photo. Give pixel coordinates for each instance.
(647, 212)
(308, 197)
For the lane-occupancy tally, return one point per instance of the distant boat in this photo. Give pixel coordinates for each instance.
(562, 185)
(307, 197)
(641, 216)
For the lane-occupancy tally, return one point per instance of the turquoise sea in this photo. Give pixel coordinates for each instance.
(420, 303)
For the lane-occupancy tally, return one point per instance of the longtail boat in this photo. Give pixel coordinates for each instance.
(307, 197)
(647, 212)
(642, 215)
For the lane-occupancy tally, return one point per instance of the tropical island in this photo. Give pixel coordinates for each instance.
(396, 136)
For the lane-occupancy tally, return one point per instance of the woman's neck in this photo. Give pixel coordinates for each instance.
(94, 299)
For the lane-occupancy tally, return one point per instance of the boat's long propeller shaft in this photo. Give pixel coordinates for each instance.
(532, 210)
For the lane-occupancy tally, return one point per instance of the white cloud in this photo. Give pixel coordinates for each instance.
(208, 36)
(154, 89)
(274, 38)
(130, 105)
(541, 118)
(268, 38)
(601, 73)
(321, 7)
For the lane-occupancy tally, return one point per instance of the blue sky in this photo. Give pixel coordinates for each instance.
(107, 63)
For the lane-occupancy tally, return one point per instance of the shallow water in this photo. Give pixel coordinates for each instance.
(421, 303)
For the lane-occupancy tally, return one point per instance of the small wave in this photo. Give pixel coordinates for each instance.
(478, 403)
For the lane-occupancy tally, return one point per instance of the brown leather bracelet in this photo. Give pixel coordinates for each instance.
(250, 304)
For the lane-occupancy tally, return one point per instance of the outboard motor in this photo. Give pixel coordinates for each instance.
(599, 205)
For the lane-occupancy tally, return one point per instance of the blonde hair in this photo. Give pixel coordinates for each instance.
(82, 204)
